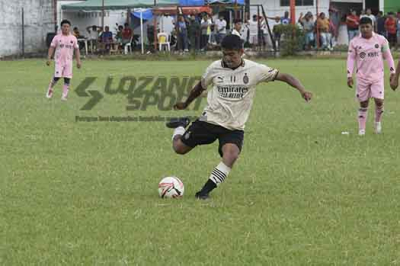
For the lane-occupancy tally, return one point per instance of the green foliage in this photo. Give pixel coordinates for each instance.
(292, 39)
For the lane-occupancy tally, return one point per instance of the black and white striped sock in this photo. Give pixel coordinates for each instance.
(219, 173)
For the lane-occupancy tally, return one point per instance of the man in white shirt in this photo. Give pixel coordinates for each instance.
(221, 28)
(237, 27)
(229, 102)
(369, 15)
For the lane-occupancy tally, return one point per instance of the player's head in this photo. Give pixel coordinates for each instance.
(65, 26)
(366, 27)
(232, 50)
(238, 24)
(368, 12)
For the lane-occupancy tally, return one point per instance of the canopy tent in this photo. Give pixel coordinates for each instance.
(173, 10)
(117, 4)
(232, 2)
(125, 4)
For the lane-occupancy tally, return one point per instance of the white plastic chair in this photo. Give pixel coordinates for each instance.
(128, 46)
(163, 41)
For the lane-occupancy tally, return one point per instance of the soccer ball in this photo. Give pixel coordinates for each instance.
(170, 187)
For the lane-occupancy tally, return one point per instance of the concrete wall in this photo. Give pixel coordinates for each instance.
(39, 16)
(273, 8)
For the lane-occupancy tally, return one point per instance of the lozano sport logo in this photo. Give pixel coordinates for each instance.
(141, 92)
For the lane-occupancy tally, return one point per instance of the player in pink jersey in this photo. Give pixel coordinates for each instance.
(368, 51)
(64, 45)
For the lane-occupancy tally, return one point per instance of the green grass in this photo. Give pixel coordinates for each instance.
(80, 193)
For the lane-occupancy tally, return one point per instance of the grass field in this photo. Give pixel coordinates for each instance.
(85, 193)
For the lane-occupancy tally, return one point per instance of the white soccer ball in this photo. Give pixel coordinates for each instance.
(170, 187)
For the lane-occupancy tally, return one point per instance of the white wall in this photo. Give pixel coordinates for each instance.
(272, 8)
(39, 20)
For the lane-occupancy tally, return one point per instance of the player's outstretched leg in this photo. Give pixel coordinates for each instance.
(64, 96)
(378, 115)
(362, 117)
(179, 125)
(218, 175)
(50, 89)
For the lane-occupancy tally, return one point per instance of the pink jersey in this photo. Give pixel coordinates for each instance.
(368, 55)
(65, 45)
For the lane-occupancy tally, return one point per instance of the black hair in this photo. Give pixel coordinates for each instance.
(237, 21)
(365, 20)
(232, 42)
(65, 22)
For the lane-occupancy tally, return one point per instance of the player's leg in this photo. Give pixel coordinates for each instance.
(363, 94)
(50, 89)
(57, 75)
(67, 82)
(378, 93)
(378, 115)
(362, 117)
(230, 144)
(179, 125)
(67, 74)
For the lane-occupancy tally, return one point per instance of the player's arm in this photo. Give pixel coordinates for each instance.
(194, 93)
(50, 53)
(351, 59)
(394, 81)
(387, 55)
(295, 83)
(78, 58)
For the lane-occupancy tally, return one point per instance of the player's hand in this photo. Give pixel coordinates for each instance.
(394, 81)
(48, 62)
(78, 64)
(306, 95)
(350, 82)
(180, 106)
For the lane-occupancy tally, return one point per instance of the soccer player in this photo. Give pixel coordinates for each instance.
(64, 45)
(368, 51)
(233, 82)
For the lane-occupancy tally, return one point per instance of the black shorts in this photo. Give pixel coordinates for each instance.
(200, 133)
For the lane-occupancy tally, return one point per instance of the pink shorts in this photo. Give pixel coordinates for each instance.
(366, 90)
(63, 71)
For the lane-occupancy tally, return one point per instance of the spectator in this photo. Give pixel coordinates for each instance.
(194, 34)
(78, 35)
(343, 36)
(323, 25)
(237, 28)
(182, 34)
(253, 30)
(353, 22)
(398, 27)
(94, 32)
(127, 34)
(205, 31)
(285, 20)
(380, 24)
(308, 28)
(277, 32)
(220, 25)
(106, 39)
(369, 15)
(118, 37)
(391, 29)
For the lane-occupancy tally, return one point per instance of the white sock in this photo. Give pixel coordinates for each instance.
(178, 131)
(219, 173)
